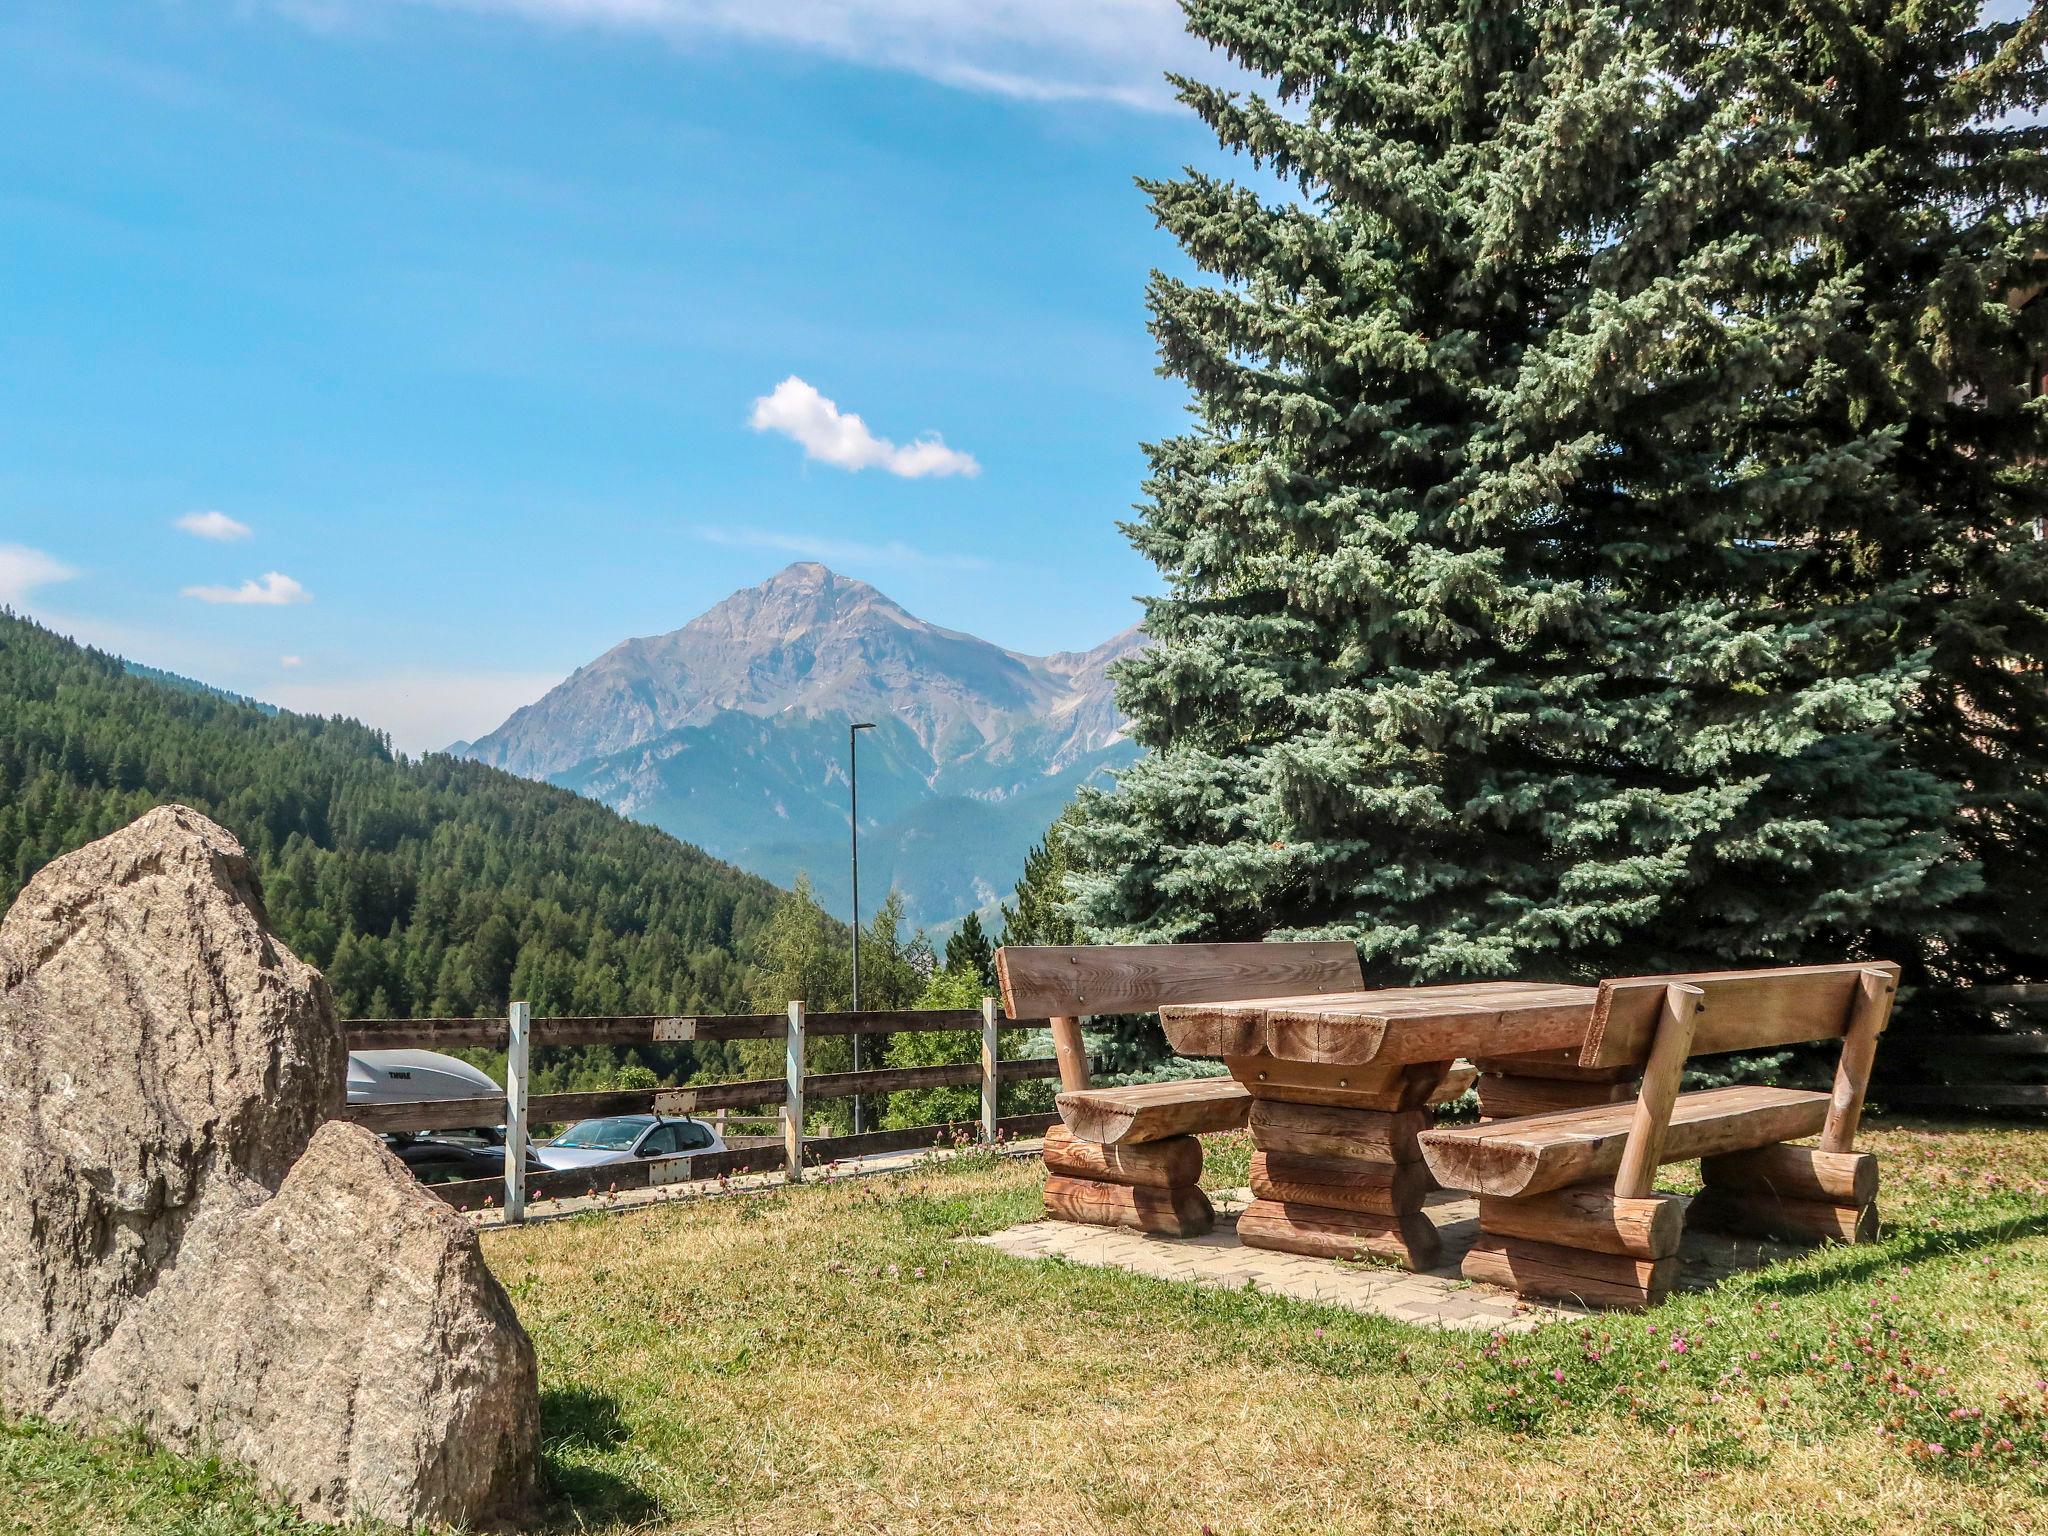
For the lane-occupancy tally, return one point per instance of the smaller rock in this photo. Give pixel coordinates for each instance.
(346, 1341)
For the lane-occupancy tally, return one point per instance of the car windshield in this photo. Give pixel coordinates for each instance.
(613, 1135)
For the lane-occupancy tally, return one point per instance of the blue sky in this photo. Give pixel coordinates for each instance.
(395, 357)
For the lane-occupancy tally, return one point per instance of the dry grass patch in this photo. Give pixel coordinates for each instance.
(832, 1359)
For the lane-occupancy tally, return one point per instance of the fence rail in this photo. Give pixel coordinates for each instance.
(662, 1028)
(1989, 1058)
(518, 1034)
(617, 1178)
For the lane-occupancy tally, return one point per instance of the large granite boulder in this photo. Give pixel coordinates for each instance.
(185, 1244)
(163, 1061)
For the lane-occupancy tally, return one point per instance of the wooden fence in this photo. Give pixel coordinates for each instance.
(1951, 1070)
(519, 1034)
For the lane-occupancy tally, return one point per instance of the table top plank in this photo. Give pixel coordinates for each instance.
(1389, 1026)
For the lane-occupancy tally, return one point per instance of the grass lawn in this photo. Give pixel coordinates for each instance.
(830, 1360)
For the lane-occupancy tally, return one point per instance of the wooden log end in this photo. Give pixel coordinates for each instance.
(1556, 1273)
(1174, 1163)
(1155, 1111)
(1409, 1239)
(1179, 1212)
(1760, 1213)
(1214, 1029)
(1463, 1162)
(1590, 1217)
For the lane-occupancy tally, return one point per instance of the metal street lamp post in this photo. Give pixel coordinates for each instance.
(853, 796)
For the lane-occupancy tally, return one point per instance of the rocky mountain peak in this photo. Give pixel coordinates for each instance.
(807, 641)
(730, 733)
(797, 598)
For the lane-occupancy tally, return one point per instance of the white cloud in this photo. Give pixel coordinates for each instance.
(217, 526)
(1113, 51)
(291, 661)
(833, 436)
(841, 551)
(274, 590)
(22, 570)
(422, 711)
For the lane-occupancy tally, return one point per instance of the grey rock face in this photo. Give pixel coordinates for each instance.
(185, 1245)
(163, 1060)
(731, 733)
(344, 1339)
(811, 642)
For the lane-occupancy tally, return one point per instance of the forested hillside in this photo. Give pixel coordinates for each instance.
(430, 887)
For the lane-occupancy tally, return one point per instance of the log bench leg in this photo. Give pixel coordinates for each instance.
(1341, 1183)
(1582, 1244)
(1790, 1194)
(1148, 1186)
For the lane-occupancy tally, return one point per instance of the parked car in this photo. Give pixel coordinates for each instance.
(439, 1160)
(406, 1077)
(625, 1138)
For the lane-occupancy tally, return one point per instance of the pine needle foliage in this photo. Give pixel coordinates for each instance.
(1606, 539)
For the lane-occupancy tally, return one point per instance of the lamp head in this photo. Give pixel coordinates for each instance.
(864, 725)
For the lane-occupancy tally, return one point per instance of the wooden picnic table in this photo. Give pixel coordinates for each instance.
(1341, 1085)
(1392, 1025)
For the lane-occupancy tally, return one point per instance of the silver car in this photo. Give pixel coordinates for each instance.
(626, 1139)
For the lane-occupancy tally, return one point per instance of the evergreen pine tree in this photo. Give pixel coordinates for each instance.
(1532, 600)
(1039, 914)
(1916, 437)
(969, 953)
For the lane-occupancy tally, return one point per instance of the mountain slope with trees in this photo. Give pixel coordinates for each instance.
(420, 888)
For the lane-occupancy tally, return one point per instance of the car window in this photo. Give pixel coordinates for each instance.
(660, 1142)
(610, 1135)
(691, 1136)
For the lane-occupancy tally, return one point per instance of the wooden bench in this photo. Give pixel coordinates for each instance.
(1567, 1206)
(1128, 1156)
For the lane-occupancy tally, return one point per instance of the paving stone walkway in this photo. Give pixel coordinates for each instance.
(1435, 1298)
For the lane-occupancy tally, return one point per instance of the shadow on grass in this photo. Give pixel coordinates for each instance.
(574, 1423)
(1923, 1245)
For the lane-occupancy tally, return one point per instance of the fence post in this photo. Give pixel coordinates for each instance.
(793, 1095)
(518, 1026)
(989, 1069)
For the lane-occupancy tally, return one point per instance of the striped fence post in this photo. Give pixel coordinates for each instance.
(793, 1095)
(518, 1027)
(990, 1072)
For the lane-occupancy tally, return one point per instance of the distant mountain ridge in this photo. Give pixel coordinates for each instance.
(730, 732)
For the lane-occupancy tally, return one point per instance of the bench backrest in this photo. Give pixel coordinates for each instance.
(1739, 1010)
(1074, 981)
(1656, 1022)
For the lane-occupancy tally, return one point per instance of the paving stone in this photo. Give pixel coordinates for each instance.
(1438, 1299)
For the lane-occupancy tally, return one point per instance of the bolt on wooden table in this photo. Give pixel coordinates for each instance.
(1341, 1086)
